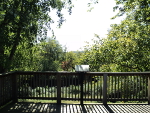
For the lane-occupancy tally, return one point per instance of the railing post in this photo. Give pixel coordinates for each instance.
(149, 89)
(105, 89)
(58, 88)
(14, 88)
(81, 74)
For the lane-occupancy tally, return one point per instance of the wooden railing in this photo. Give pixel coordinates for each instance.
(7, 88)
(90, 86)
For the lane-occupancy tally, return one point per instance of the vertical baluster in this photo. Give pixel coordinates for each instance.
(133, 86)
(64, 77)
(115, 86)
(130, 87)
(31, 86)
(109, 86)
(143, 77)
(146, 86)
(118, 78)
(85, 87)
(0, 91)
(75, 87)
(58, 88)
(52, 81)
(39, 84)
(136, 86)
(100, 86)
(121, 93)
(34, 84)
(148, 89)
(88, 90)
(3, 90)
(18, 89)
(94, 87)
(66, 85)
(6, 87)
(42, 86)
(127, 87)
(97, 87)
(112, 86)
(139, 85)
(25, 86)
(78, 86)
(69, 86)
(46, 85)
(124, 86)
(22, 82)
(28, 90)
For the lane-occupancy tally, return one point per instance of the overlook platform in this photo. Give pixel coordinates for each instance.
(56, 87)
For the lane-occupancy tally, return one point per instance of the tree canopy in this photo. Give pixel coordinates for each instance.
(126, 47)
(23, 22)
(23, 33)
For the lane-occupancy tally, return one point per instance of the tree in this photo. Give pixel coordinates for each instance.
(26, 58)
(133, 34)
(69, 61)
(130, 43)
(51, 53)
(92, 55)
(127, 46)
(21, 21)
(138, 9)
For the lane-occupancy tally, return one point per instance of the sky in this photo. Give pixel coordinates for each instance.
(81, 25)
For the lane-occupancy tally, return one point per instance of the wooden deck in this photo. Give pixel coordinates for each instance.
(75, 108)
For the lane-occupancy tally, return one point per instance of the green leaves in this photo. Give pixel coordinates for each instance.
(20, 23)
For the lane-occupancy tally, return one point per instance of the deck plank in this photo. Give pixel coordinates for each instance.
(75, 108)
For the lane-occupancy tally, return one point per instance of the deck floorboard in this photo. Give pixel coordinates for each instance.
(75, 108)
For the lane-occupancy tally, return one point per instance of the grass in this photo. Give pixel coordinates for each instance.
(37, 101)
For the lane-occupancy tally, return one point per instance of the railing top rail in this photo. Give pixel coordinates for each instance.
(7, 73)
(118, 73)
(66, 72)
(46, 72)
(74, 72)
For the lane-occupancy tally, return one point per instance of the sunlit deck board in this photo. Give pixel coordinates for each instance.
(75, 108)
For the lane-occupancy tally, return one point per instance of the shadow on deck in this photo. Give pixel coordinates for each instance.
(75, 108)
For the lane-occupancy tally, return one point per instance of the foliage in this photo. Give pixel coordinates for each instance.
(21, 22)
(140, 9)
(51, 53)
(70, 59)
(126, 48)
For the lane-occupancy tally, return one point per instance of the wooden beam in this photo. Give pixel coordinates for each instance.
(14, 88)
(58, 88)
(81, 74)
(149, 89)
(105, 89)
